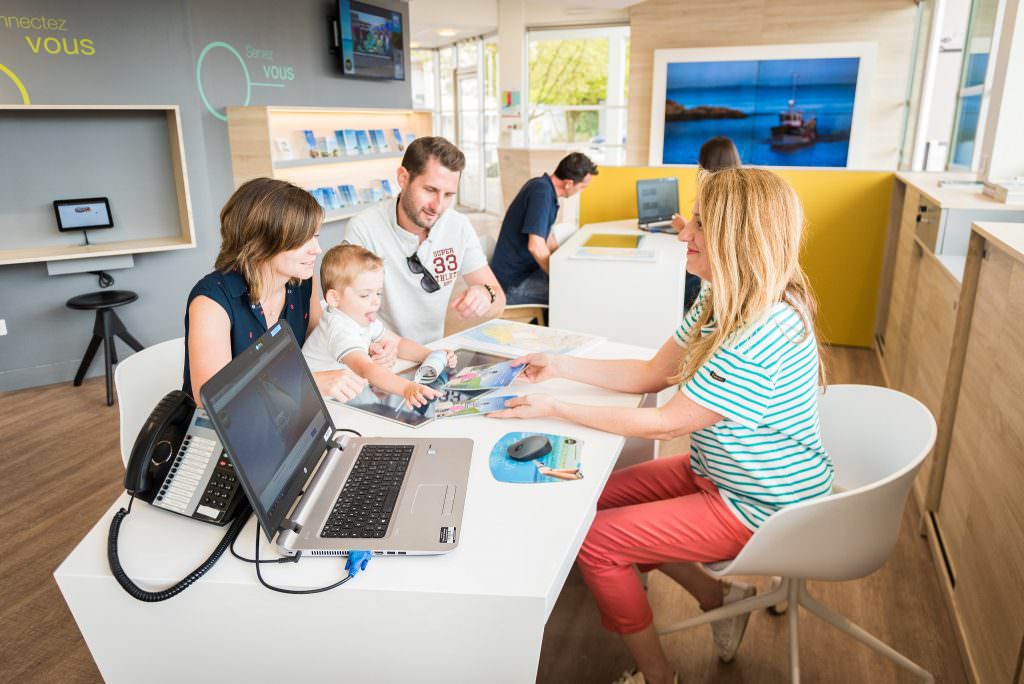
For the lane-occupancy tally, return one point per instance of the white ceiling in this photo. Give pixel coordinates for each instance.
(460, 19)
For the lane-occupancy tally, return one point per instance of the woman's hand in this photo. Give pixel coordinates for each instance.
(339, 384)
(539, 367)
(416, 395)
(529, 406)
(678, 222)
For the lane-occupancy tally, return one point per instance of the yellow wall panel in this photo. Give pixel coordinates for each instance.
(846, 211)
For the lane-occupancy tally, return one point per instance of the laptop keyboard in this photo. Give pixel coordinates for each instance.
(364, 507)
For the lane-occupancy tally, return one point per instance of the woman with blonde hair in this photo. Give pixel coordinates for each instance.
(264, 273)
(747, 365)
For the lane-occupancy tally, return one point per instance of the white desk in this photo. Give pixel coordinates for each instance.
(636, 302)
(475, 614)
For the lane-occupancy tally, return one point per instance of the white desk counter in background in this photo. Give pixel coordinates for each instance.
(630, 301)
(475, 614)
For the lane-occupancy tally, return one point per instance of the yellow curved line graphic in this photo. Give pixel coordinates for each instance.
(17, 81)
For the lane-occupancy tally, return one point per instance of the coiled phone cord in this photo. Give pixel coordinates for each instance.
(137, 592)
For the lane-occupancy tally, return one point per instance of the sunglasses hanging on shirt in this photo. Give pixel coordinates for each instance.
(427, 282)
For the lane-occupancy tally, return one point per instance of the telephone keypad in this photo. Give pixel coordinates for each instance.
(194, 465)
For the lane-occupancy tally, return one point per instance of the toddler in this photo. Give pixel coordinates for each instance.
(352, 279)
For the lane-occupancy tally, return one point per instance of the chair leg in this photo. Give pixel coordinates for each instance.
(90, 352)
(733, 609)
(793, 594)
(117, 328)
(108, 366)
(843, 624)
(778, 608)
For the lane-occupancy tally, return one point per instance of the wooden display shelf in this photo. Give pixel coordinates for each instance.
(348, 212)
(34, 254)
(320, 161)
(184, 235)
(253, 132)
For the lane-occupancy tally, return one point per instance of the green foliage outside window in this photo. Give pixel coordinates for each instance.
(567, 73)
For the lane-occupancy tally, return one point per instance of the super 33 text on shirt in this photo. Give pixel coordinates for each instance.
(451, 248)
(767, 453)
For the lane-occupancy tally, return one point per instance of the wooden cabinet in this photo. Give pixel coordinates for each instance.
(271, 142)
(929, 338)
(904, 280)
(980, 514)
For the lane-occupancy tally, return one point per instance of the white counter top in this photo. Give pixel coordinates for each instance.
(954, 196)
(1008, 236)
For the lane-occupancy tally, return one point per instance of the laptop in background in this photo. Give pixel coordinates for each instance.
(657, 200)
(322, 496)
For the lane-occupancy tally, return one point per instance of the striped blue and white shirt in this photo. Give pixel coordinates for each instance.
(767, 452)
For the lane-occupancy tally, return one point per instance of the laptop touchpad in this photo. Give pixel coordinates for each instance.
(429, 499)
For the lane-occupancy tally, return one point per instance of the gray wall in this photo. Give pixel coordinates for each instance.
(147, 53)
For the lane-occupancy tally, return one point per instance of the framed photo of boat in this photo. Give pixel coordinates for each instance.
(782, 105)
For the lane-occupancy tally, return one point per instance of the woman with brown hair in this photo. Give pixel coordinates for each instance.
(263, 274)
(715, 154)
(746, 362)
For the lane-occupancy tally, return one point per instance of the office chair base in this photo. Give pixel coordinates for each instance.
(794, 592)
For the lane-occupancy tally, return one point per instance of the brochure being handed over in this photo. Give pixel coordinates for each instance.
(485, 377)
(473, 407)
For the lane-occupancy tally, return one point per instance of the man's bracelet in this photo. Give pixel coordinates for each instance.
(491, 292)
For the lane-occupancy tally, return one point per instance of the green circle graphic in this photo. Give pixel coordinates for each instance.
(199, 76)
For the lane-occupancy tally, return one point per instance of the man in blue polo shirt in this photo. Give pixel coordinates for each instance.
(526, 241)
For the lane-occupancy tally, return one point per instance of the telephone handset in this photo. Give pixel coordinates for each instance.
(179, 465)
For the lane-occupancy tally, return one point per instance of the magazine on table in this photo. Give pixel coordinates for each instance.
(491, 376)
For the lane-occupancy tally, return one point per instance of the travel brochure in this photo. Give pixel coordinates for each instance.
(351, 142)
(343, 196)
(510, 337)
(453, 401)
(488, 376)
(473, 407)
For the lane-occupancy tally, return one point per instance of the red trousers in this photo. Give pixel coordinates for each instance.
(652, 513)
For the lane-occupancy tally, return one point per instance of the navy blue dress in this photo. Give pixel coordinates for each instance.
(247, 320)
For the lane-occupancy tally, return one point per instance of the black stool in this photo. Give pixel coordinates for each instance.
(107, 325)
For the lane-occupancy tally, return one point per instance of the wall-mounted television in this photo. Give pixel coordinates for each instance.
(372, 41)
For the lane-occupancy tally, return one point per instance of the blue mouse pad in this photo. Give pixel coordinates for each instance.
(561, 464)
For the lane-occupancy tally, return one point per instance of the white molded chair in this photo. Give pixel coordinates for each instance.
(142, 380)
(877, 439)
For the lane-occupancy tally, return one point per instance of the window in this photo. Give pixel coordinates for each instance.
(973, 96)
(577, 89)
(424, 78)
(445, 124)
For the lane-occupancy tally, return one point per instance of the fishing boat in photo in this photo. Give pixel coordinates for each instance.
(793, 130)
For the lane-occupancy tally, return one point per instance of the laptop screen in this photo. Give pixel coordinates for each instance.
(657, 199)
(272, 421)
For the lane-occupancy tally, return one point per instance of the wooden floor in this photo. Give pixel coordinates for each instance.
(60, 468)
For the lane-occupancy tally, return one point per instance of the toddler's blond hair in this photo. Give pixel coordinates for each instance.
(343, 263)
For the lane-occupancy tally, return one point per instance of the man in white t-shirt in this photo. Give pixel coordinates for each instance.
(426, 246)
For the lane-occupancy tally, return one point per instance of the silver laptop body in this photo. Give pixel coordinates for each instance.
(427, 518)
(282, 443)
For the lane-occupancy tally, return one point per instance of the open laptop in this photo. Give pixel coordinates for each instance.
(657, 201)
(314, 494)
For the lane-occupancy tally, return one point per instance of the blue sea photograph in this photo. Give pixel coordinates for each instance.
(781, 112)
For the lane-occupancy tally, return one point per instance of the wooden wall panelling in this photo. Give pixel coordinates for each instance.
(929, 339)
(904, 283)
(986, 469)
(664, 24)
